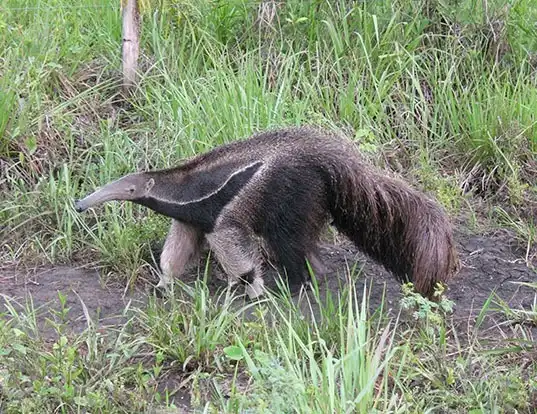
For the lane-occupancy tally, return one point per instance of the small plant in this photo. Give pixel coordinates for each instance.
(425, 311)
(275, 387)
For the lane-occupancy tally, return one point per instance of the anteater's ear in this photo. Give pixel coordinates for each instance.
(149, 185)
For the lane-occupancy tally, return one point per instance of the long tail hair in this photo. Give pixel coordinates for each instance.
(394, 224)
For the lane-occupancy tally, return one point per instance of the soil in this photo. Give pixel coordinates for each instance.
(490, 262)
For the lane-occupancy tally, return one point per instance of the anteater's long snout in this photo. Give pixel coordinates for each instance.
(100, 196)
(79, 206)
(130, 187)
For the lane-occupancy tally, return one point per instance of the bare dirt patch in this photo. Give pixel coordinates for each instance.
(490, 262)
(82, 288)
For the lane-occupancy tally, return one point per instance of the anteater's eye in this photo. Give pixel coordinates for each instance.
(131, 190)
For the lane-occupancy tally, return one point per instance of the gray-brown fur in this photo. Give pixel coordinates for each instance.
(282, 187)
(182, 247)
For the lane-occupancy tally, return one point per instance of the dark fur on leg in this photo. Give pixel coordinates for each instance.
(291, 234)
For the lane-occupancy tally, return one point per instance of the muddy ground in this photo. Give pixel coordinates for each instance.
(490, 262)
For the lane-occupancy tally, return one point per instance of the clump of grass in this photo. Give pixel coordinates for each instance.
(68, 372)
(524, 229)
(292, 369)
(192, 327)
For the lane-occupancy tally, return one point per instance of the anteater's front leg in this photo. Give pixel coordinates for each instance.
(181, 247)
(238, 254)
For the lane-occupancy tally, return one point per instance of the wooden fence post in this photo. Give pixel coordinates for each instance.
(131, 43)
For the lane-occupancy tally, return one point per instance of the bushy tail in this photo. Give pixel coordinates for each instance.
(394, 224)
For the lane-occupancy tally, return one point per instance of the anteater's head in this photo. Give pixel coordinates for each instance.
(133, 187)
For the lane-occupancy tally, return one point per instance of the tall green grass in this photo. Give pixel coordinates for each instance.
(412, 78)
(347, 372)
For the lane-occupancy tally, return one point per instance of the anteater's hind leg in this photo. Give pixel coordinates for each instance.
(290, 253)
(182, 245)
(238, 254)
(293, 214)
(292, 240)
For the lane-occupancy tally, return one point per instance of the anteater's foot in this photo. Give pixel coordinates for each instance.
(158, 292)
(161, 290)
(255, 289)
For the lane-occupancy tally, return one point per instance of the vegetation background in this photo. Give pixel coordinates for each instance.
(443, 92)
